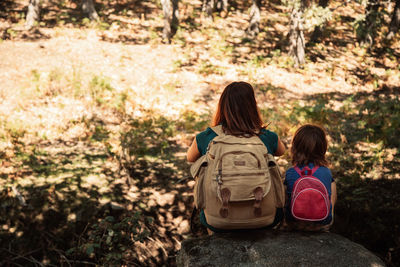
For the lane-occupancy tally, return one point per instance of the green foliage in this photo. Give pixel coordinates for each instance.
(192, 122)
(75, 81)
(97, 88)
(317, 113)
(110, 241)
(315, 16)
(179, 37)
(208, 68)
(367, 26)
(15, 129)
(359, 26)
(54, 210)
(382, 116)
(11, 33)
(147, 139)
(259, 61)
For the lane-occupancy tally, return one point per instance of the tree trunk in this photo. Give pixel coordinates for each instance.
(296, 36)
(222, 7)
(255, 16)
(317, 33)
(170, 10)
(208, 8)
(89, 10)
(395, 23)
(33, 13)
(369, 29)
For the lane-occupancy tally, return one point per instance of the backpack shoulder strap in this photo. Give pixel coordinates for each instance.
(297, 169)
(306, 168)
(314, 170)
(218, 130)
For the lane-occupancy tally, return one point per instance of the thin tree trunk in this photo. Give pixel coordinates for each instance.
(33, 13)
(222, 7)
(89, 10)
(255, 16)
(170, 10)
(369, 33)
(395, 23)
(296, 36)
(317, 33)
(208, 8)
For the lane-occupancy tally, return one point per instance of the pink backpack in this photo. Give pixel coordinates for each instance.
(310, 199)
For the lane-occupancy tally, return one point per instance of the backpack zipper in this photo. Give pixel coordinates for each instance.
(242, 174)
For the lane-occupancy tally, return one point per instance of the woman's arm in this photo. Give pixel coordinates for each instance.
(280, 149)
(193, 152)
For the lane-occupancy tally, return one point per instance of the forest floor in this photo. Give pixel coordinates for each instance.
(95, 119)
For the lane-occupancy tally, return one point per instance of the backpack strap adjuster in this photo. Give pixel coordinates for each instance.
(306, 170)
(258, 195)
(225, 195)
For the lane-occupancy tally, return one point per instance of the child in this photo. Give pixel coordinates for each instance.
(308, 150)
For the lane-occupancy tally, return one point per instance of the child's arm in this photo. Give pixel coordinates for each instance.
(333, 195)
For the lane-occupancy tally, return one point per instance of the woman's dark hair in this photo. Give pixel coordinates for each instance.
(309, 145)
(237, 110)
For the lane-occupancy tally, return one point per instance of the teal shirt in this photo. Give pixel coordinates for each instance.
(269, 138)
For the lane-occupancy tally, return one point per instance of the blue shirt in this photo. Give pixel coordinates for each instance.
(269, 138)
(322, 173)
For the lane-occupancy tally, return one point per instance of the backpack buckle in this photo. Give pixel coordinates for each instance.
(219, 177)
(306, 171)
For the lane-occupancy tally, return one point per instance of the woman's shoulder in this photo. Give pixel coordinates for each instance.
(206, 133)
(204, 138)
(267, 133)
(270, 140)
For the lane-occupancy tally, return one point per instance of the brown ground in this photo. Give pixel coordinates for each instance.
(39, 73)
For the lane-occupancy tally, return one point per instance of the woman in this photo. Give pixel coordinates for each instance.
(238, 114)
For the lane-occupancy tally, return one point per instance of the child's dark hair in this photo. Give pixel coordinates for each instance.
(309, 145)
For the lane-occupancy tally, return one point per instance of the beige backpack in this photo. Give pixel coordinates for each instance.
(238, 183)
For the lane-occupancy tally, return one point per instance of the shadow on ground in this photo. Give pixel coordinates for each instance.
(75, 202)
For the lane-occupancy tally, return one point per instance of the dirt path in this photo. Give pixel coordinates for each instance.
(144, 69)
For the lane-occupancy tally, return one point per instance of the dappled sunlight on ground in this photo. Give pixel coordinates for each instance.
(95, 121)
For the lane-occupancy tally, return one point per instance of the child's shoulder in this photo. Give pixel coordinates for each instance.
(291, 169)
(291, 173)
(325, 170)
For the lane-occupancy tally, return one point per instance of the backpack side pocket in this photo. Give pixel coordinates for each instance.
(277, 181)
(198, 171)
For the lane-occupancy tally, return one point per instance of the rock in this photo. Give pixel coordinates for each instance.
(268, 248)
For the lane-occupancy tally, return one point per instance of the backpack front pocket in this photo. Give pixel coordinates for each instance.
(242, 185)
